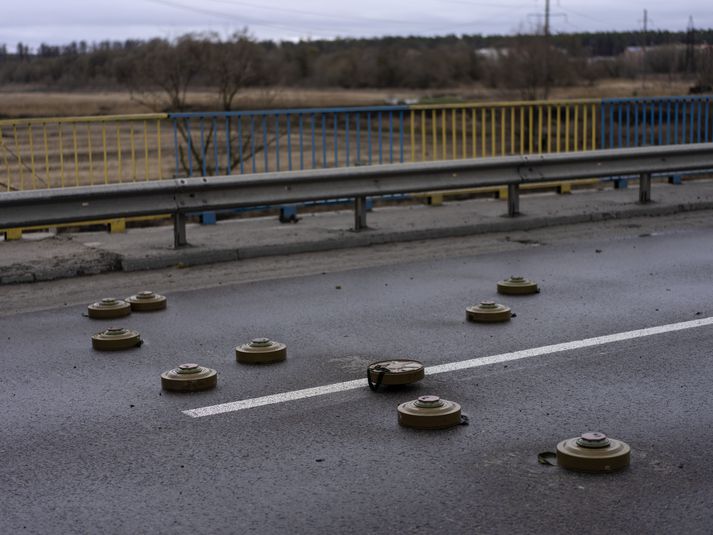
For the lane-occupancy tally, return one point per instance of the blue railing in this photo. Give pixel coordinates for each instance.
(240, 142)
(637, 122)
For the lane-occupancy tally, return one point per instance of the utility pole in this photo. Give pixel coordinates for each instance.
(547, 18)
(643, 49)
(547, 49)
(545, 40)
(690, 60)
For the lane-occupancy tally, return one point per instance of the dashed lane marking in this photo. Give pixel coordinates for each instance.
(334, 388)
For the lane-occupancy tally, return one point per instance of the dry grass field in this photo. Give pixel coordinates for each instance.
(24, 103)
(29, 102)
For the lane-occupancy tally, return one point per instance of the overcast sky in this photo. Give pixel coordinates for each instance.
(61, 21)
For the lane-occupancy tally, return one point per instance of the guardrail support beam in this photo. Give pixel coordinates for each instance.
(179, 230)
(645, 188)
(50, 207)
(513, 200)
(359, 213)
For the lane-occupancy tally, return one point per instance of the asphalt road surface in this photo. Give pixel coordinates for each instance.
(90, 443)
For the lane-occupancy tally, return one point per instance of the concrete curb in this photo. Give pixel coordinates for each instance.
(191, 256)
(62, 268)
(102, 261)
(520, 223)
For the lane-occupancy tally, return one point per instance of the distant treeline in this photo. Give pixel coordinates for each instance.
(204, 60)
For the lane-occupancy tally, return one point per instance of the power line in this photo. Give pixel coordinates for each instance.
(503, 7)
(223, 14)
(578, 14)
(308, 13)
(325, 33)
(546, 17)
(481, 4)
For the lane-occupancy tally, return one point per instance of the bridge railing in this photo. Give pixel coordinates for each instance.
(80, 151)
(263, 141)
(274, 140)
(640, 122)
(86, 151)
(213, 143)
(77, 151)
(503, 128)
(179, 197)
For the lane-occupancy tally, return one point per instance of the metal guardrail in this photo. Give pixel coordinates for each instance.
(179, 197)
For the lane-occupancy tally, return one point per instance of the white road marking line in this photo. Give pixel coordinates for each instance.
(452, 366)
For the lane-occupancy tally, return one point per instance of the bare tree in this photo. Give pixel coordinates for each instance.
(233, 65)
(665, 59)
(159, 77)
(161, 74)
(522, 66)
(705, 69)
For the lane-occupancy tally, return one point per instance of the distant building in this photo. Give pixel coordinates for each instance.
(491, 53)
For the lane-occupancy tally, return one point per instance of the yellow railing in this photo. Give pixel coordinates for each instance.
(453, 131)
(74, 151)
(475, 130)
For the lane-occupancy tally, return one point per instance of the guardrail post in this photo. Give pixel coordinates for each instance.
(179, 230)
(513, 200)
(644, 188)
(675, 179)
(359, 213)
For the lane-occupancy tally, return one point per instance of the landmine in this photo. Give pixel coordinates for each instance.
(488, 312)
(116, 339)
(109, 308)
(261, 351)
(394, 372)
(146, 301)
(517, 286)
(429, 412)
(189, 378)
(593, 452)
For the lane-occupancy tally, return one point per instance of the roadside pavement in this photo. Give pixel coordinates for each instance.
(48, 256)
